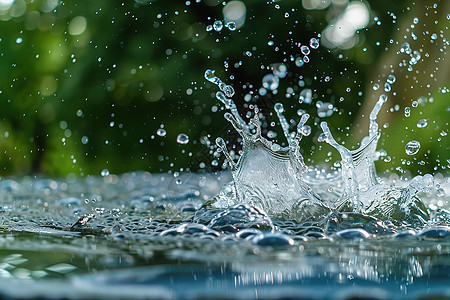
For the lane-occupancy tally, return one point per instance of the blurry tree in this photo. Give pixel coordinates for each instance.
(86, 86)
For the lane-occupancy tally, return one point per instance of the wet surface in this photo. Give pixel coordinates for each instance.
(145, 235)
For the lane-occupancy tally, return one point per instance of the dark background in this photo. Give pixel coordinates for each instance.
(80, 102)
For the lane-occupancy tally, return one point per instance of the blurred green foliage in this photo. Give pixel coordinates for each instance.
(85, 85)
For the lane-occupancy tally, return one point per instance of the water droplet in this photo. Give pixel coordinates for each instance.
(270, 82)
(19, 40)
(415, 57)
(376, 86)
(422, 123)
(434, 36)
(324, 109)
(305, 96)
(104, 172)
(314, 43)
(407, 111)
(387, 87)
(231, 26)
(305, 50)
(218, 25)
(391, 79)
(182, 139)
(161, 132)
(84, 140)
(209, 28)
(306, 130)
(416, 20)
(305, 59)
(405, 48)
(279, 70)
(412, 147)
(299, 62)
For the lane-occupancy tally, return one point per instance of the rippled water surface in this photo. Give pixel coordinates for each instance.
(142, 235)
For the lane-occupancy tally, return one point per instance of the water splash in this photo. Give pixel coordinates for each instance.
(277, 180)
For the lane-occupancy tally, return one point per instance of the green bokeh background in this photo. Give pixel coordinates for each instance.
(81, 103)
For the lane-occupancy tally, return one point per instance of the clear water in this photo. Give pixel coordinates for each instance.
(145, 235)
(273, 226)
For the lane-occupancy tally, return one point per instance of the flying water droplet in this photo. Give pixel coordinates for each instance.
(422, 123)
(161, 132)
(279, 70)
(270, 82)
(314, 43)
(209, 28)
(405, 48)
(412, 147)
(305, 130)
(231, 26)
(391, 79)
(299, 62)
(305, 96)
(217, 25)
(407, 111)
(182, 139)
(387, 87)
(324, 109)
(104, 172)
(305, 50)
(376, 86)
(415, 57)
